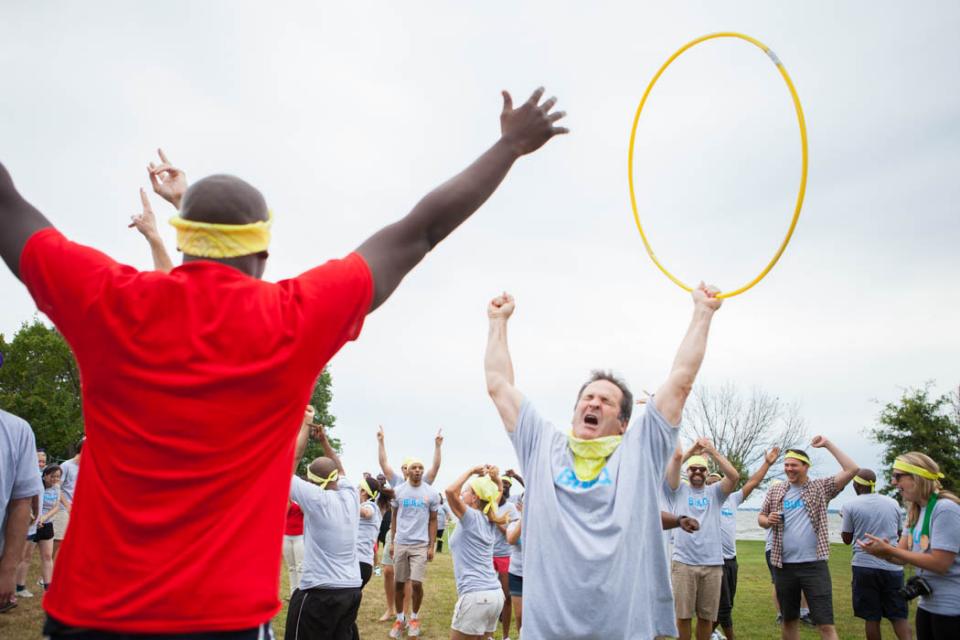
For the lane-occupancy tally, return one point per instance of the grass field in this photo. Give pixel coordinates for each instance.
(754, 614)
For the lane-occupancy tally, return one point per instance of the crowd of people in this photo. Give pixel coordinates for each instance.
(194, 383)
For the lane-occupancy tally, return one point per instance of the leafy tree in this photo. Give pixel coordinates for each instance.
(921, 423)
(40, 383)
(742, 427)
(320, 399)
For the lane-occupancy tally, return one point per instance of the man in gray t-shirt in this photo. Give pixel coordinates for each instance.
(697, 568)
(592, 492)
(876, 582)
(19, 483)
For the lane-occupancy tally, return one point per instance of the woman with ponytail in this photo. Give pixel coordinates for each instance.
(369, 527)
(480, 596)
(931, 543)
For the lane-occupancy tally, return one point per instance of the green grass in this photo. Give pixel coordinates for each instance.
(753, 613)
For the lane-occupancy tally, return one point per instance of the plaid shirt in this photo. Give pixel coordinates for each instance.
(816, 495)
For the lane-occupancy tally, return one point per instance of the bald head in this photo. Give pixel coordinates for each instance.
(223, 199)
(323, 467)
(869, 476)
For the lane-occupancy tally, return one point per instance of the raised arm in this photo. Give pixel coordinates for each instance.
(672, 474)
(382, 456)
(672, 395)
(302, 437)
(510, 473)
(514, 531)
(169, 182)
(848, 466)
(730, 474)
(497, 364)
(435, 468)
(761, 473)
(396, 249)
(328, 449)
(146, 224)
(458, 506)
(18, 219)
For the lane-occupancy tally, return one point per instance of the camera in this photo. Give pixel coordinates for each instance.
(916, 586)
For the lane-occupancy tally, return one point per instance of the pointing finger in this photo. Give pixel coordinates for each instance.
(507, 102)
(163, 156)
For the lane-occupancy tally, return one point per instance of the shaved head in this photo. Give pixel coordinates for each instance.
(323, 467)
(223, 199)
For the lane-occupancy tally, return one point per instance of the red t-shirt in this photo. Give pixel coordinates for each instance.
(294, 520)
(193, 384)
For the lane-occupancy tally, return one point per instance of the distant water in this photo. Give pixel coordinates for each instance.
(748, 529)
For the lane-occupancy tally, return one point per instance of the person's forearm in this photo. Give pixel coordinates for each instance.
(300, 446)
(15, 534)
(927, 561)
(730, 474)
(435, 469)
(673, 469)
(669, 520)
(845, 461)
(457, 485)
(433, 530)
(330, 452)
(161, 259)
(763, 521)
(756, 478)
(690, 354)
(382, 459)
(497, 363)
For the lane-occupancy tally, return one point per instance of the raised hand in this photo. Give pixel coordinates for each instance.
(380, 434)
(819, 442)
(529, 126)
(501, 307)
(706, 296)
(772, 455)
(438, 441)
(169, 182)
(308, 414)
(875, 546)
(146, 222)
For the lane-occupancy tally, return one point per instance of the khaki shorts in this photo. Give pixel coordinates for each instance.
(61, 519)
(410, 562)
(477, 613)
(386, 560)
(696, 590)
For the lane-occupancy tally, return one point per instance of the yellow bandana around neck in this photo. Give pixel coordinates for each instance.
(216, 240)
(866, 483)
(323, 482)
(900, 465)
(589, 456)
(366, 487)
(487, 490)
(798, 456)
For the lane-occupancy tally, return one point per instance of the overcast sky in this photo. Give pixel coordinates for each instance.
(345, 114)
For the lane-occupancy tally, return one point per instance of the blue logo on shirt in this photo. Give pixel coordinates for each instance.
(567, 478)
(790, 505)
(698, 503)
(417, 503)
(726, 512)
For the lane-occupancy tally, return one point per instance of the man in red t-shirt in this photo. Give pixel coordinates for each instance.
(194, 384)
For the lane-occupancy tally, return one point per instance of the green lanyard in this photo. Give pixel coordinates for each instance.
(923, 541)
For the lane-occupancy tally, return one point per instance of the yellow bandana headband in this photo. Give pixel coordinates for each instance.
(366, 487)
(216, 240)
(589, 456)
(487, 490)
(697, 461)
(866, 483)
(899, 465)
(798, 456)
(323, 482)
(409, 462)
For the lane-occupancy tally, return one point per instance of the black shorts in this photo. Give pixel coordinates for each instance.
(770, 566)
(515, 585)
(813, 580)
(56, 630)
(876, 594)
(44, 532)
(935, 626)
(366, 570)
(323, 613)
(728, 591)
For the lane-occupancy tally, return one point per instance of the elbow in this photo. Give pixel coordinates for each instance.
(452, 493)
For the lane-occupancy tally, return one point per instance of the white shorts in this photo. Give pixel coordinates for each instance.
(478, 612)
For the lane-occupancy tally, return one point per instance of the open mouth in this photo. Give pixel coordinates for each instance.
(591, 419)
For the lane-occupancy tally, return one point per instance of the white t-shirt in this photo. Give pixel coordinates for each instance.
(19, 474)
(330, 521)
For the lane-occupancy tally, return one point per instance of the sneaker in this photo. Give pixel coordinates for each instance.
(397, 629)
(377, 571)
(413, 629)
(716, 636)
(23, 593)
(807, 620)
(779, 618)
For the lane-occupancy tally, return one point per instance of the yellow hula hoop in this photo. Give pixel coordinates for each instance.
(803, 171)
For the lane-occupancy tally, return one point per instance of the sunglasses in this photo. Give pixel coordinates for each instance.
(896, 476)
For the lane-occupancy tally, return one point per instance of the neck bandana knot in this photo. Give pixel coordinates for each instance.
(866, 483)
(323, 482)
(589, 456)
(216, 240)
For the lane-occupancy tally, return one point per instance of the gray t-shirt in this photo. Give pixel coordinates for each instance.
(702, 547)
(472, 548)
(516, 551)
(944, 535)
(413, 505)
(68, 478)
(19, 474)
(799, 539)
(367, 532)
(330, 522)
(728, 524)
(877, 515)
(580, 538)
(501, 547)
